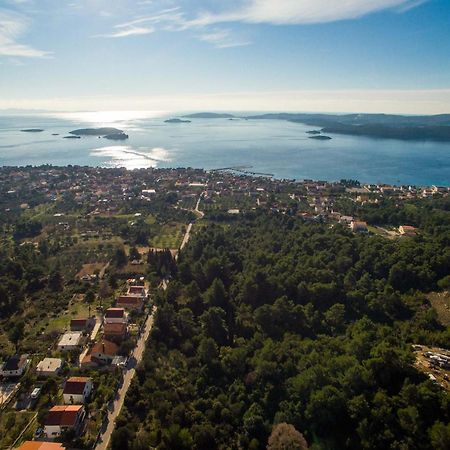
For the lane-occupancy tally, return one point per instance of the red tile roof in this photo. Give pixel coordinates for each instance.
(63, 415)
(105, 347)
(76, 385)
(115, 313)
(115, 328)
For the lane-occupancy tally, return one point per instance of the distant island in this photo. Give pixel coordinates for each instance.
(96, 131)
(72, 137)
(313, 132)
(55, 134)
(106, 132)
(177, 121)
(117, 136)
(32, 130)
(320, 137)
(385, 126)
(208, 115)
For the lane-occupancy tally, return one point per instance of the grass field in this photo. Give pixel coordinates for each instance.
(441, 303)
(170, 236)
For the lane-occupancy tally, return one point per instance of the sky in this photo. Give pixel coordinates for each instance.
(238, 55)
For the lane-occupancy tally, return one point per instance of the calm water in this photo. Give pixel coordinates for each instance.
(276, 147)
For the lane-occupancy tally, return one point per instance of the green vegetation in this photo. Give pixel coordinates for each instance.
(274, 321)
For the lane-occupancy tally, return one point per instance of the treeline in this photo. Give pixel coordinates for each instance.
(272, 321)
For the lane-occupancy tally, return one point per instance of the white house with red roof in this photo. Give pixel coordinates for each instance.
(61, 419)
(77, 390)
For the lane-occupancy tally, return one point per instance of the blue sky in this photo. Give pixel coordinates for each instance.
(297, 55)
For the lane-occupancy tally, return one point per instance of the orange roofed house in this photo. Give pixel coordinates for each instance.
(102, 353)
(64, 418)
(39, 445)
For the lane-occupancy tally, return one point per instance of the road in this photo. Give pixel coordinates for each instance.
(135, 358)
(128, 376)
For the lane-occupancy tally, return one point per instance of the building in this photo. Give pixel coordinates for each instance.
(39, 445)
(14, 366)
(359, 227)
(71, 340)
(85, 324)
(115, 315)
(137, 290)
(61, 419)
(77, 390)
(407, 230)
(115, 332)
(49, 366)
(103, 352)
(131, 302)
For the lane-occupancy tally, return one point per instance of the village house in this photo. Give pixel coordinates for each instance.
(84, 324)
(115, 315)
(115, 332)
(359, 227)
(102, 353)
(49, 367)
(407, 230)
(71, 340)
(14, 366)
(61, 419)
(130, 302)
(77, 390)
(40, 445)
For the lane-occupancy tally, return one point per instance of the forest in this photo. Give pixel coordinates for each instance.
(278, 334)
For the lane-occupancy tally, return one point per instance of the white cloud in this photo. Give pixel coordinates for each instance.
(128, 31)
(283, 12)
(12, 26)
(223, 39)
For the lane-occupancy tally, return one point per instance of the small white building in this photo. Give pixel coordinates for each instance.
(71, 340)
(49, 366)
(77, 390)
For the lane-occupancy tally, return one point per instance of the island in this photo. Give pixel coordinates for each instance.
(32, 130)
(116, 136)
(72, 137)
(177, 121)
(105, 131)
(320, 137)
(208, 115)
(55, 134)
(313, 132)
(113, 134)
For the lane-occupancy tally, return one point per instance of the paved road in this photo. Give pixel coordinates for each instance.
(115, 408)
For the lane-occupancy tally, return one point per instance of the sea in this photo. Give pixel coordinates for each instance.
(279, 148)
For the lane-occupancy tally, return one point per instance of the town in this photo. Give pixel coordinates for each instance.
(95, 245)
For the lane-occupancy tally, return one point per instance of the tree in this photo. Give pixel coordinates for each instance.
(16, 333)
(120, 258)
(440, 436)
(286, 437)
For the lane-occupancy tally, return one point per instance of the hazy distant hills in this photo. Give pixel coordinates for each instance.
(386, 126)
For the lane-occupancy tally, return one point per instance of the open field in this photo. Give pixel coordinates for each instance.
(441, 303)
(170, 236)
